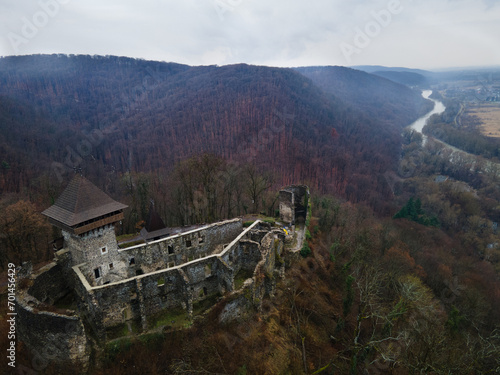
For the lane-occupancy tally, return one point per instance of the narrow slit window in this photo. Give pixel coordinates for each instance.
(97, 273)
(170, 249)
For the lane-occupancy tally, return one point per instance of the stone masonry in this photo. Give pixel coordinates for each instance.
(113, 287)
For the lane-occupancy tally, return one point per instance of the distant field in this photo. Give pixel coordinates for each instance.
(489, 115)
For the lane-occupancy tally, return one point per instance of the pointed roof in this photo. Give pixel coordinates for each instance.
(81, 201)
(154, 221)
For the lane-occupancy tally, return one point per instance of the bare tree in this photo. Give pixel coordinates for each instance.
(25, 234)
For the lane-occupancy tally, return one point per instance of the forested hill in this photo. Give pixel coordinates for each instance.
(389, 102)
(116, 114)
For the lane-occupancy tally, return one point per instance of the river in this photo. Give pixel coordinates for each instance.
(438, 109)
(456, 155)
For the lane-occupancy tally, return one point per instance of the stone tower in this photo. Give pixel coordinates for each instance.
(87, 218)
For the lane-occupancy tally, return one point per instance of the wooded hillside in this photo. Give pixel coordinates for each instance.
(110, 115)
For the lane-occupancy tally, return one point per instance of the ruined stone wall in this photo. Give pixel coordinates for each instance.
(118, 302)
(98, 249)
(88, 305)
(286, 206)
(160, 291)
(143, 296)
(258, 234)
(53, 337)
(50, 284)
(203, 277)
(293, 201)
(244, 254)
(270, 267)
(182, 248)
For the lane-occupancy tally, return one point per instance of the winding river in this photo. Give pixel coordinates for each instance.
(438, 109)
(456, 155)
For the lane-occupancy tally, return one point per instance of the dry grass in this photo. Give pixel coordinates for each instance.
(489, 115)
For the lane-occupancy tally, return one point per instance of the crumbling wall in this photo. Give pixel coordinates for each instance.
(243, 254)
(270, 267)
(118, 302)
(50, 284)
(88, 305)
(258, 234)
(181, 248)
(98, 249)
(268, 270)
(286, 206)
(53, 337)
(203, 277)
(293, 201)
(162, 290)
(144, 296)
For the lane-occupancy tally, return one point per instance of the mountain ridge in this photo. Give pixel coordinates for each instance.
(152, 115)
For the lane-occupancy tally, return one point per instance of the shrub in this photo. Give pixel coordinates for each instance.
(306, 250)
(270, 221)
(308, 235)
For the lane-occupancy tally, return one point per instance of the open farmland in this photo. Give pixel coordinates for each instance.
(489, 116)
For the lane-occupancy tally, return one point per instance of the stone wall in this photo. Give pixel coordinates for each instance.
(143, 296)
(98, 249)
(266, 273)
(88, 306)
(244, 254)
(181, 248)
(286, 206)
(293, 201)
(50, 284)
(53, 337)
(270, 267)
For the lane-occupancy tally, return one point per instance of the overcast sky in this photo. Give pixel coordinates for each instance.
(412, 33)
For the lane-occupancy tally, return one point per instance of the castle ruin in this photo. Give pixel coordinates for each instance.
(110, 287)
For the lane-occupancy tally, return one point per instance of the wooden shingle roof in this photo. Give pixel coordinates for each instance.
(81, 201)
